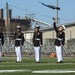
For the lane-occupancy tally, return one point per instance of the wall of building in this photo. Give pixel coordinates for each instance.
(69, 33)
(49, 34)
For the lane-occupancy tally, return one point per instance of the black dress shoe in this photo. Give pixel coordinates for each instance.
(18, 61)
(37, 62)
(60, 62)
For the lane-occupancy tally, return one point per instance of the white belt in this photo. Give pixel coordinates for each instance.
(37, 39)
(18, 39)
(59, 39)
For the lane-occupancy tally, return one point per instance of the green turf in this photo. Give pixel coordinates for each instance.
(28, 63)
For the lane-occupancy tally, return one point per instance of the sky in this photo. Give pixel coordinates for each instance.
(38, 11)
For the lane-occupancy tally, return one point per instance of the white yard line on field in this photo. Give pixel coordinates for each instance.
(7, 71)
(38, 71)
(54, 71)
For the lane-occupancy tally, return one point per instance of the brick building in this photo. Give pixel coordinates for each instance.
(13, 22)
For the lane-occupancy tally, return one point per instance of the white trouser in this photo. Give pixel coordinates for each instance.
(37, 53)
(0, 53)
(59, 53)
(18, 53)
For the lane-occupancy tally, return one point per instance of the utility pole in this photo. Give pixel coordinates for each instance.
(7, 35)
(56, 12)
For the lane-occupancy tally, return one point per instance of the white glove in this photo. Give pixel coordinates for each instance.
(40, 45)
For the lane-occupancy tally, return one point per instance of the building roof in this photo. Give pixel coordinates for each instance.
(50, 28)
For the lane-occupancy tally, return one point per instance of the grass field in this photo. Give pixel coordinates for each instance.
(48, 66)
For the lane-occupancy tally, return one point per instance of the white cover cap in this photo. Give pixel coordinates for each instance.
(37, 26)
(63, 27)
(18, 26)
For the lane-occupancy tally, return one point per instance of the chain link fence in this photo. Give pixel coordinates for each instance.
(47, 48)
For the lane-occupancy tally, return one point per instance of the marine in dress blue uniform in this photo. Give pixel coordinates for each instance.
(37, 42)
(19, 41)
(1, 43)
(59, 41)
